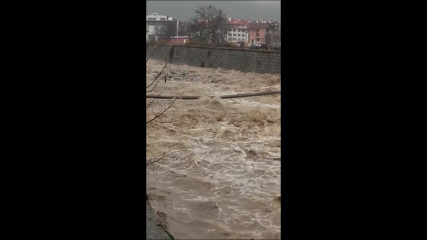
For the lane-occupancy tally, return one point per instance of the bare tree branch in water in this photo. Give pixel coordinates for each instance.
(155, 81)
(171, 121)
(156, 78)
(162, 157)
(161, 114)
(151, 105)
(158, 158)
(151, 54)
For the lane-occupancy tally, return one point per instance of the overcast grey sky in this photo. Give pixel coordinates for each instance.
(184, 10)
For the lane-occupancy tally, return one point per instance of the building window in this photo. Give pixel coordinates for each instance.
(257, 34)
(151, 19)
(229, 34)
(234, 39)
(163, 19)
(257, 39)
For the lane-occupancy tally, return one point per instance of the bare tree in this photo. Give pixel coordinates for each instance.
(272, 35)
(209, 24)
(184, 28)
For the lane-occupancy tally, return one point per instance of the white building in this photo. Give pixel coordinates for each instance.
(238, 31)
(157, 17)
(154, 23)
(237, 35)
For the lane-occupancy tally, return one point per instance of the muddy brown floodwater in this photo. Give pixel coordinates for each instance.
(222, 177)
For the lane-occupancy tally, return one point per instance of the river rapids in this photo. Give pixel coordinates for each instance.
(216, 170)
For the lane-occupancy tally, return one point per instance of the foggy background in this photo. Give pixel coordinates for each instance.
(184, 10)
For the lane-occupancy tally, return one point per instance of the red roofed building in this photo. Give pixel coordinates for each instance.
(253, 33)
(257, 33)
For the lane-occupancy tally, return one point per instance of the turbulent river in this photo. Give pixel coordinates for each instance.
(219, 177)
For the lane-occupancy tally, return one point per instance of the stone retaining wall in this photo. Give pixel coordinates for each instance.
(245, 60)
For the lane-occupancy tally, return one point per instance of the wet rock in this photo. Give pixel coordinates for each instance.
(154, 226)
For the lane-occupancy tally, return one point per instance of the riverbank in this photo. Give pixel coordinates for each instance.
(155, 229)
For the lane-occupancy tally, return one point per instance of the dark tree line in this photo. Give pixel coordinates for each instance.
(167, 29)
(272, 35)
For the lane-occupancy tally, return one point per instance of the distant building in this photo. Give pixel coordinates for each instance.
(178, 40)
(237, 31)
(157, 17)
(253, 33)
(257, 32)
(274, 34)
(160, 26)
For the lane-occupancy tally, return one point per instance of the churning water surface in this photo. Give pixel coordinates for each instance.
(220, 178)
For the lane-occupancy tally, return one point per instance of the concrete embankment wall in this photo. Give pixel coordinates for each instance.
(245, 60)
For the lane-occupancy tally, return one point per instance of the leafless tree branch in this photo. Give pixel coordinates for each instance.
(161, 157)
(158, 75)
(158, 158)
(151, 103)
(151, 54)
(159, 115)
(150, 106)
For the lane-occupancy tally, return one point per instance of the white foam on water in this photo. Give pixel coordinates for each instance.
(223, 181)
